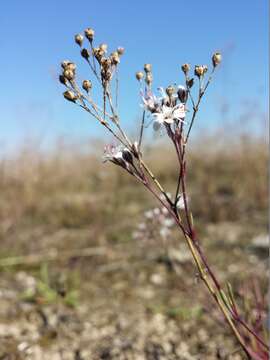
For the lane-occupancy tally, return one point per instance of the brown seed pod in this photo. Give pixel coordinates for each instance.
(79, 39)
(216, 59)
(103, 47)
(71, 66)
(65, 63)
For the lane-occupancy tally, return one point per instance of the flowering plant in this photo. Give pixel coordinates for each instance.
(174, 112)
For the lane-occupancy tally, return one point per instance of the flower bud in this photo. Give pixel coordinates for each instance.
(147, 68)
(199, 70)
(70, 96)
(85, 54)
(89, 33)
(120, 50)
(69, 74)
(79, 39)
(139, 75)
(190, 83)
(170, 91)
(216, 59)
(87, 85)
(149, 78)
(182, 94)
(127, 156)
(185, 68)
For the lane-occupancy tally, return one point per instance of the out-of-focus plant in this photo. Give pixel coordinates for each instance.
(173, 113)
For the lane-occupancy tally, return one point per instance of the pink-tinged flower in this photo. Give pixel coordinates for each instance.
(168, 115)
(150, 102)
(112, 152)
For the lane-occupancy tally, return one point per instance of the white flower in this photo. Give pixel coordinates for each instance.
(168, 115)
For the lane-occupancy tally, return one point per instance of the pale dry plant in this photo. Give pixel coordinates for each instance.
(173, 113)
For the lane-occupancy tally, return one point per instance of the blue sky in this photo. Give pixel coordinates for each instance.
(37, 35)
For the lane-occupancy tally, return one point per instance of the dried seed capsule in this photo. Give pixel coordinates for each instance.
(115, 58)
(199, 70)
(185, 68)
(62, 80)
(216, 59)
(205, 69)
(103, 47)
(89, 33)
(69, 74)
(139, 75)
(147, 68)
(87, 85)
(149, 78)
(79, 39)
(70, 96)
(85, 54)
(71, 66)
(120, 50)
(65, 63)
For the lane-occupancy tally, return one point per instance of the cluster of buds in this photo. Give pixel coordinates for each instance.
(147, 75)
(68, 73)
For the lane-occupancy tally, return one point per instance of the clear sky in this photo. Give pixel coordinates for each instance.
(37, 35)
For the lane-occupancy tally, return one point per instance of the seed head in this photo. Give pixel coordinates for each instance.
(199, 70)
(85, 54)
(120, 50)
(89, 33)
(69, 74)
(139, 75)
(87, 85)
(216, 59)
(149, 78)
(185, 68)
(79, 39)
(170, 91)
(190, 83)
(147, 68)
(106, 63)
(70, 96)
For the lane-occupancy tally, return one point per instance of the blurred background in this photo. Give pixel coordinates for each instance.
(84, 275)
